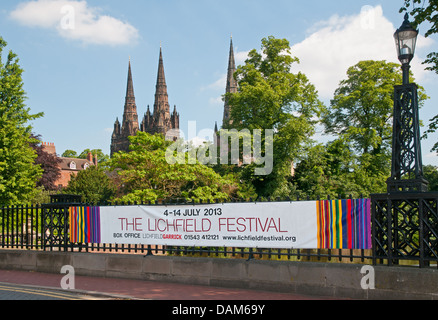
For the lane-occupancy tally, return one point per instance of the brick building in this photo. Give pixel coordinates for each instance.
(69, 166)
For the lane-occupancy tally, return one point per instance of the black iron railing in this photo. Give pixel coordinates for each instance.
(405, 228)
(404, 231)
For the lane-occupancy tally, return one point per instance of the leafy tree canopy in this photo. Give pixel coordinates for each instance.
(50, 165)
(362, 109)
(18, 173)
(270, 96)
(93, 185)
(423, 11)
(143, 174)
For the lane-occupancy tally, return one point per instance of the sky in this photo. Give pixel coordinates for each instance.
(75, 55)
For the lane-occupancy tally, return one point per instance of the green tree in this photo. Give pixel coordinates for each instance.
(362, 109)
(270, 96)
(101, 157)
(69, 154)
(429, 14)
(18, 173)
(425, 13)
(50, 165)
(357, 162)
(93, 185)
(143, 174)
(431, 175)
(334, 170)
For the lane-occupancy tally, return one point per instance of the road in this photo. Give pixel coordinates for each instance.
(19, 292)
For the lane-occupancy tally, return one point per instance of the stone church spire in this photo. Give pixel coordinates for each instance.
(130, 117)
(161, 105)
(159, 120)
(129, 126)
(231, 84)
(162, 120)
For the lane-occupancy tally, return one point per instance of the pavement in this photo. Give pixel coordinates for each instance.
(125, 289)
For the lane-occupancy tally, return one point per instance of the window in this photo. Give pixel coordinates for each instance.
(73, 165)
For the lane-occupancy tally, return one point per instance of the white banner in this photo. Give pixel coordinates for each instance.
(249, 225)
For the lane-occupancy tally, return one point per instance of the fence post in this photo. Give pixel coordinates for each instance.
(55, 221)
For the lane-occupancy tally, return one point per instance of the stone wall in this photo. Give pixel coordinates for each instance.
(309, 278)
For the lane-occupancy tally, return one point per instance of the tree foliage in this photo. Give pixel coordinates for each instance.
(358, 161)
(425, 13)
(333, 169)
(50, 165)
(361, 111)
(18, 173)
(429, 14)
(93, 185)
(270, 96)
(143, 174)
(69, 154)
(431, 175)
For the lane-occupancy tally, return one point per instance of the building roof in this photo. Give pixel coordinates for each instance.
(74, 164)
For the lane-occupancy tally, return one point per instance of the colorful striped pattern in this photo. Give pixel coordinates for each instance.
(344, 224)
(84, 225)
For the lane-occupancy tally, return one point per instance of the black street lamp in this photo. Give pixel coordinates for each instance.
(405, 41)
(407, 166)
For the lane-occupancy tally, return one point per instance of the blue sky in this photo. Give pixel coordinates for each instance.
(76, 73)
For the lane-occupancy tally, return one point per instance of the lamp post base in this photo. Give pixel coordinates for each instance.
(407, 185)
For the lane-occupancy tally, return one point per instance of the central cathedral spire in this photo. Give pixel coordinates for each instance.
(161, 121)
(161, 97)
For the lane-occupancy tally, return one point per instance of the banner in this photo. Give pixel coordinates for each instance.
(328, 224)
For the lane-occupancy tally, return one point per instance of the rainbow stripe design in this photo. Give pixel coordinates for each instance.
(84, 224)
(344, 224)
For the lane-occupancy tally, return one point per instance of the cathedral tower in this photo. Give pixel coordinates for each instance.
(129, 126)
(231, 85)
(161, 120)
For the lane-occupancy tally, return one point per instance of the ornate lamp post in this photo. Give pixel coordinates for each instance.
(407, 166)
(405, 219)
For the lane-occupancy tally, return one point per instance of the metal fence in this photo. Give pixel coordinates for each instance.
(397, 238)
(405, 228)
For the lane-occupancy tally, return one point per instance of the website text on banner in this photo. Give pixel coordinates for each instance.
(327, 224)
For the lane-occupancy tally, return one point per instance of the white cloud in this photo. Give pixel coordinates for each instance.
(217, 101)
(240, 57)
(339, 43)
(219, 85)
(75, 20)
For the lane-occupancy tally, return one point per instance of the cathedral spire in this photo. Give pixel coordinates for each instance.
(130, 116)
(130, 97)
(129, 125)
(161, 106)
(161, 88)
(231, 83)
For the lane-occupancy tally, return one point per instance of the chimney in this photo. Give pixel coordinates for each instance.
(90, 157)
(49, 147)
(95, 160)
